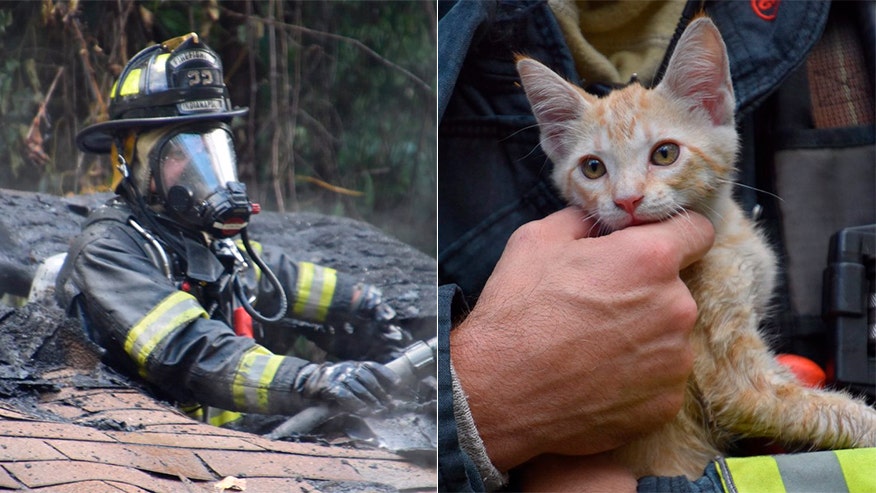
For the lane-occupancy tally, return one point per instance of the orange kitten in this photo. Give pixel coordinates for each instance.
(640, 155)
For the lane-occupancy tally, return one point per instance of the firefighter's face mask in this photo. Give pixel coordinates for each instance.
(195, 174)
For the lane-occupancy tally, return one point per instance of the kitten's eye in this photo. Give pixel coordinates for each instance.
(592, 167)
(665, 154)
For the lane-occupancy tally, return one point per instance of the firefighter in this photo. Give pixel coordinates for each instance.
(158, 280)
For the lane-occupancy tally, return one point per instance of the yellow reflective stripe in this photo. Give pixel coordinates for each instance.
(305, 278)
(859, 469)
(754, 475)
(254, 244)
(315, 288)
(194, 411)
(220, 417)
(258, 249)
(211, 415)
(172, 312)
(131, 84)
(255, 372)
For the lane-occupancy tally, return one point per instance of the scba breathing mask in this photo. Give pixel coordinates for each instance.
(194, 169)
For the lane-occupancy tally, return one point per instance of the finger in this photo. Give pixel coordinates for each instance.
(363, 394)
(387, 378)
(689, 234)
(568, 223)
(368, 382)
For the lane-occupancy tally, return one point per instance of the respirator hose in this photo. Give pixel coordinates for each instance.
(241, 296)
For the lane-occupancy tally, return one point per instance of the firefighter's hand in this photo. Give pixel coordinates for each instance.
(372, 333)
(356, 387)
(578, 345)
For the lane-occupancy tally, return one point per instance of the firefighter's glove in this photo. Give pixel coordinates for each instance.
(356, 387)
(371, 333)
(367, 304)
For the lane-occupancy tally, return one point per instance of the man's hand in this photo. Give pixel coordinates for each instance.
(577, 344)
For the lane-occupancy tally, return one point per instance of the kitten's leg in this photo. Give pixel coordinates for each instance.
(748, 392)
(744, 389)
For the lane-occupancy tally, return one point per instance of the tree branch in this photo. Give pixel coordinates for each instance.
(418, 82)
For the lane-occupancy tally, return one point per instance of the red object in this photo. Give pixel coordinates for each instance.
(230, 227)
(809, 373)
(765, 9)
(242, 323)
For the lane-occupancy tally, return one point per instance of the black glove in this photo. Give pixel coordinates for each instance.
(367, 332)
(356, 387)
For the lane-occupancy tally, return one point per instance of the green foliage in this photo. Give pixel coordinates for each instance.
(341, 95)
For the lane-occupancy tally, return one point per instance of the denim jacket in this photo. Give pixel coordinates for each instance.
(494, 177)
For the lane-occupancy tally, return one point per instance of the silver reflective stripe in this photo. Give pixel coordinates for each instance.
(813, 472)
(253, 378)
(726, 477)
(164, 263)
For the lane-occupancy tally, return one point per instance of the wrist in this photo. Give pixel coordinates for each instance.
(469, 439)
(506, 436)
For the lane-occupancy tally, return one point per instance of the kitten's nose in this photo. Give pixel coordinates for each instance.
(629, 204)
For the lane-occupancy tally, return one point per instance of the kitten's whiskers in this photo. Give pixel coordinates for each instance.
(742, 185)
(596, 224)
(685, 214)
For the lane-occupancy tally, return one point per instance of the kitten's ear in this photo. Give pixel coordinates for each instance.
(555, 102)
(699, 72)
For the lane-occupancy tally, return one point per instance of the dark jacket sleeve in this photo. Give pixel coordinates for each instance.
(151, 328)
(456, 471)
(709, 482)
(335, 310)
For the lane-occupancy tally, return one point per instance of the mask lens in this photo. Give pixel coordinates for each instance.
(200, 162)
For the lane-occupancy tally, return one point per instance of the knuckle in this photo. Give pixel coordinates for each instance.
(685, 310)
(525, 234)
(657, 260)
(660, 253)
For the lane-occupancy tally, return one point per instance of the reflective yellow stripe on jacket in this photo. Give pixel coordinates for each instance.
(211, 415)
(221, 417)
(852, 471)
(258, 249)
(255, 372)
(314, 289)
(173, 312)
